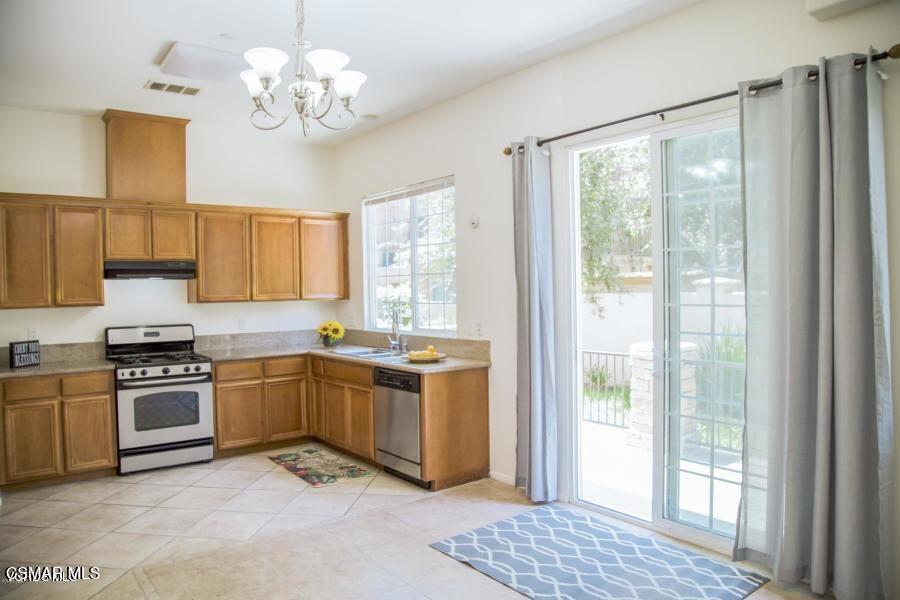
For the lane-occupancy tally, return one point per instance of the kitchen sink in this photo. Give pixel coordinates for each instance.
(372, 353)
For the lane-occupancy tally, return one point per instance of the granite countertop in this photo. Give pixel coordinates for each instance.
(451, 363)
(57, 368)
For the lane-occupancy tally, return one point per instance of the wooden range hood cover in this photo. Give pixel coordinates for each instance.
(145, 157)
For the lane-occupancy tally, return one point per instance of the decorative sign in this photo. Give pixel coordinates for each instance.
(24, 354)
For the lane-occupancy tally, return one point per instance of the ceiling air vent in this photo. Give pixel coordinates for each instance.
(172, 88)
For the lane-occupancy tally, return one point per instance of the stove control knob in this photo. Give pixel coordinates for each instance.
(165, 370)
(197, 368)
(132, 374)
(143, 371)
(187, 369)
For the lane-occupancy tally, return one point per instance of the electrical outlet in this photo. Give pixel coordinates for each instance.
(474, 328)
(351, 321)
(31, 333)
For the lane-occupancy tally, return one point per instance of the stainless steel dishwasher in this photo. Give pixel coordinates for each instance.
(397, 440)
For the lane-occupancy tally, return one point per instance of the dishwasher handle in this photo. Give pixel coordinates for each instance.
(397, 380)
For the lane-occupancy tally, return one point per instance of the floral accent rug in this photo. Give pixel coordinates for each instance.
(319, 468)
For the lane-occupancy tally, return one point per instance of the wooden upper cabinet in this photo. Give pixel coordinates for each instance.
(145, 157)
(223, 258)
(128, 234)
(276, 258)
(174, 235)
(25, 256)
(78, 251)
(323, 258)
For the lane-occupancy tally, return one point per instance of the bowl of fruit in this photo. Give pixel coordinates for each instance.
(428, 355)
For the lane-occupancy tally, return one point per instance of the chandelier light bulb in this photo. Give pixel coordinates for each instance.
(254, 85)
(347, 84)
(267, 62)
(327, 63)
(316, 90)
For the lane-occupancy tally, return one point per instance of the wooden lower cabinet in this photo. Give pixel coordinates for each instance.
(58, 425)
(285, 408)
(335, 403)
(239, 414)
(88, 437)
(361, 430)
(260, 401)
(317, 408)
(343, 415)
(32, 436)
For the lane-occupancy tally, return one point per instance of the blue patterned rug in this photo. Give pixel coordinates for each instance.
(555, 552)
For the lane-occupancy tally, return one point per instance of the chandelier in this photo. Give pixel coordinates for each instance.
(324, 94)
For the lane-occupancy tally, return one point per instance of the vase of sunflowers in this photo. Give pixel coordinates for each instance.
(331, 333)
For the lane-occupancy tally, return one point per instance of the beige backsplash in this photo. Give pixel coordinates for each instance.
(304, 337)
(474, 349)
(53, 353)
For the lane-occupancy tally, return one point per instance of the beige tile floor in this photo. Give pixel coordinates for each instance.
(246, 528)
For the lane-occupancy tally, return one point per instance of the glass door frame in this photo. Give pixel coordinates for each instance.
(657, 134)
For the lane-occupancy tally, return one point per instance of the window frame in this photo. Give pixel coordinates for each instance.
(369, 286)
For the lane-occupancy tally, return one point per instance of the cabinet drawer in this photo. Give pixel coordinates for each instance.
(318, 366)
(239, 370)
(90, 383)
(30, 389)
(349, 372)
(284, 366)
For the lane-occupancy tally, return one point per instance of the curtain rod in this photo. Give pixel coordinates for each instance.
(894, 52)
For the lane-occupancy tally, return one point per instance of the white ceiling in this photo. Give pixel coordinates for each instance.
(88, 55)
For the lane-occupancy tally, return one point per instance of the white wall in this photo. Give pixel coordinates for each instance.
(50, 153)
(701, 50)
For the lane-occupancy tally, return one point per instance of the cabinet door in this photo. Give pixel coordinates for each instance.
(78, 255)
(323, 258)
(276, 258)
(128, 234)
(223, 257)
(32, 440)
(335, 401)
(285, 408)
(239, 414)
(24, 256)
(317, 408)
(174, 235)
(88, 433)
(361, 422)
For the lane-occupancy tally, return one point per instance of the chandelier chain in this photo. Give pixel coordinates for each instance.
(301, 21)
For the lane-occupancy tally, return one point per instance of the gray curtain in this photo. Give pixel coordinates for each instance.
(818, 436)
(536, 439)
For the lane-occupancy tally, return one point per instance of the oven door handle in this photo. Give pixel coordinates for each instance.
(164, 382)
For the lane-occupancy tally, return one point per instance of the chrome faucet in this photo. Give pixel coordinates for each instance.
(396, 341)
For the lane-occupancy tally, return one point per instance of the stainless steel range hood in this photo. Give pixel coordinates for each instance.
(149, 269)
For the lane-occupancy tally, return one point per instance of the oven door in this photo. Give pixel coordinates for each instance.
(164, 411)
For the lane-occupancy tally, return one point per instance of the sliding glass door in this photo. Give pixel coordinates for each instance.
(661, 325)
